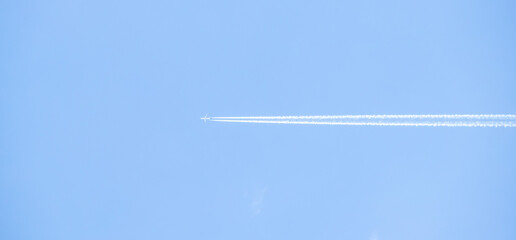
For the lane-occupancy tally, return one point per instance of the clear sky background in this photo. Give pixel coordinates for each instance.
(100, 136)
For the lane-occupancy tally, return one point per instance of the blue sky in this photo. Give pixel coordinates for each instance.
(100, 136)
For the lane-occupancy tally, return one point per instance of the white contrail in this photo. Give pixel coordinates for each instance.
(400, 124)
(394, 116)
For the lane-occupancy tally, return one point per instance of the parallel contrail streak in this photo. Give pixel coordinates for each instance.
(401, 124)
(422, 116)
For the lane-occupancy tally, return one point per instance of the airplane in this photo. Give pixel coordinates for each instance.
(205, 118)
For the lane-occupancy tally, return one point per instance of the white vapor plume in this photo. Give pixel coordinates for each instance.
(467, 123)
(413, 116)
